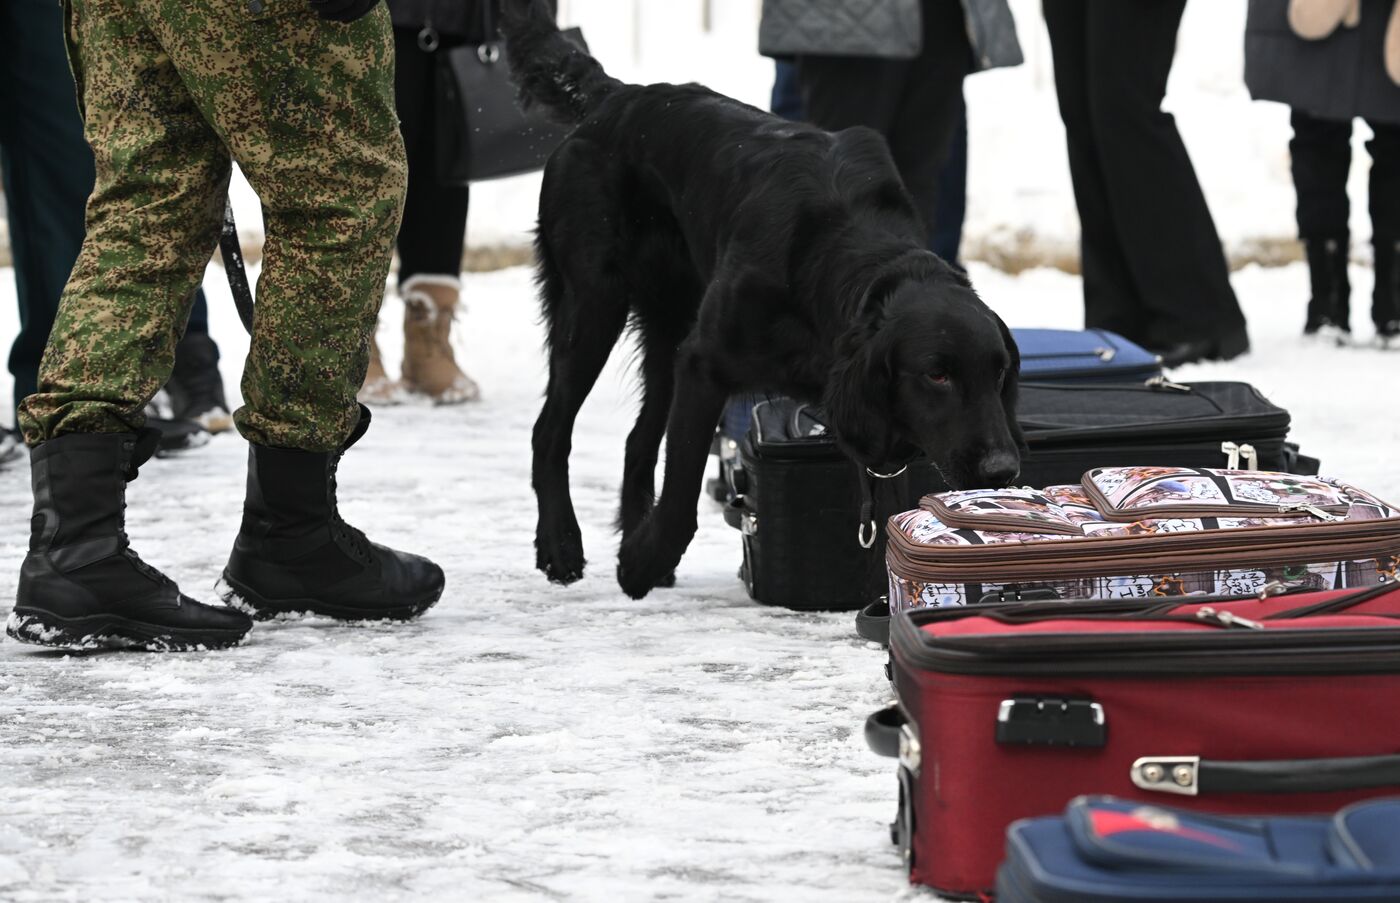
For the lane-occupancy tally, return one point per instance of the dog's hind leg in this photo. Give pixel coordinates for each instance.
(586, 310)
(577, 354)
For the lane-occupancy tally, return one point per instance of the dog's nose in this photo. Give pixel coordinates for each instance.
(998, 469)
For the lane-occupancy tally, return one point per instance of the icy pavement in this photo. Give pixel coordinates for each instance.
(522, 741)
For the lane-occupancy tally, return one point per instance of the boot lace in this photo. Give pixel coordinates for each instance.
(349, 538)
(131, 555)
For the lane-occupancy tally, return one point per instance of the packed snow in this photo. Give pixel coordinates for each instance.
(523, 740)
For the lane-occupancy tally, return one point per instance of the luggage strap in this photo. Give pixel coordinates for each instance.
(1194, 776)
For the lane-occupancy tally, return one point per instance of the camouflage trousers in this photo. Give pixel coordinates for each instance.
(171, 90)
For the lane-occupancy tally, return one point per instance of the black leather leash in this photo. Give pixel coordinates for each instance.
(233, 266)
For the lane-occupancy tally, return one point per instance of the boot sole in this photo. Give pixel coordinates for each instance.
(240, 598)
(110, 632)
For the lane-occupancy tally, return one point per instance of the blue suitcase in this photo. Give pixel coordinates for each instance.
(1107, 850)
(1088, 356)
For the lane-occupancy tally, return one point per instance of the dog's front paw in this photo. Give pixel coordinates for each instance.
(560, 556)
(641, 567)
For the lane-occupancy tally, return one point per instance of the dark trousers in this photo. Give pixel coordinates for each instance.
(48, 172)
(946, 228)
(48, 175)
(915, 103)
(1154, 269)
(434, 228)
(1321, 151)
(951, 212)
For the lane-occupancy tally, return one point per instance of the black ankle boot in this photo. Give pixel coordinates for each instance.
(1385, 300)
(1329, 310)
(195, 387)
(81, 585)
(294, 555)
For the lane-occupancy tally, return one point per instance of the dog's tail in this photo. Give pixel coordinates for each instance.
(549, 69)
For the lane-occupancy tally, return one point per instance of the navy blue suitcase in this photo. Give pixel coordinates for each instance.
(1107, 850)
(1088, 356)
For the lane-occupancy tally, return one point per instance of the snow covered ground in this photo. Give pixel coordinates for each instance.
(523, 741)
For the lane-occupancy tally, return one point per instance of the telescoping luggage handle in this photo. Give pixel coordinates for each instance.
(1194, 776)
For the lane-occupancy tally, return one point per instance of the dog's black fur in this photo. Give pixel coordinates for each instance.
(748, 254)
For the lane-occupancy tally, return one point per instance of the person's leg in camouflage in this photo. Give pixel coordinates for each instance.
(305, 106)
(152, 223)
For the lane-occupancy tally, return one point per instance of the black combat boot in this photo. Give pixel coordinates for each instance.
(1385, 300)
(195, 387)
(81, 585)
(1329, 310)
(295, 556)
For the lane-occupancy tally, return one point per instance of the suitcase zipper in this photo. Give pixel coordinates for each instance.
(1367, 650)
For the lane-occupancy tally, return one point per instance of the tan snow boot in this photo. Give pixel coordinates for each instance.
(378, 388)
(1313, 20)
(429, 366)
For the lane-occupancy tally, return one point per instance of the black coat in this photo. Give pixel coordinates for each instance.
(1340, 77)
(463, 19)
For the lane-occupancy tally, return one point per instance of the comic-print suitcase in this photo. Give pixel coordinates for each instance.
(1280, 704)
(1141, 532)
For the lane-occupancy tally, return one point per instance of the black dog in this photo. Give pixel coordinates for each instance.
(748, 254)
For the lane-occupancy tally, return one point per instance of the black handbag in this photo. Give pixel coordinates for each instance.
(482, 131)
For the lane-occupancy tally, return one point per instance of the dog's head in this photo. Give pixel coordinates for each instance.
(927, 367)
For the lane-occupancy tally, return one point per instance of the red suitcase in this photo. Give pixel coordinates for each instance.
(1276, 705)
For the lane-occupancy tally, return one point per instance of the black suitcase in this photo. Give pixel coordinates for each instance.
(796, 499)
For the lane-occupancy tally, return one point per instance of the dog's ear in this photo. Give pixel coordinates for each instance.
(858, 398)
(1011, 386)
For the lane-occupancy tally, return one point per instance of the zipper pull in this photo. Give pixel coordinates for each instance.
(1226, 619)
(1105, 354)
(1235, 451)
(1161, 382)
(1310, 509)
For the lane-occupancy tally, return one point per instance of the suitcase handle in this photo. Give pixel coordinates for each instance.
(882, 731)
(1193, 776)
(738, 516)
(873, 621)
(891, 734)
